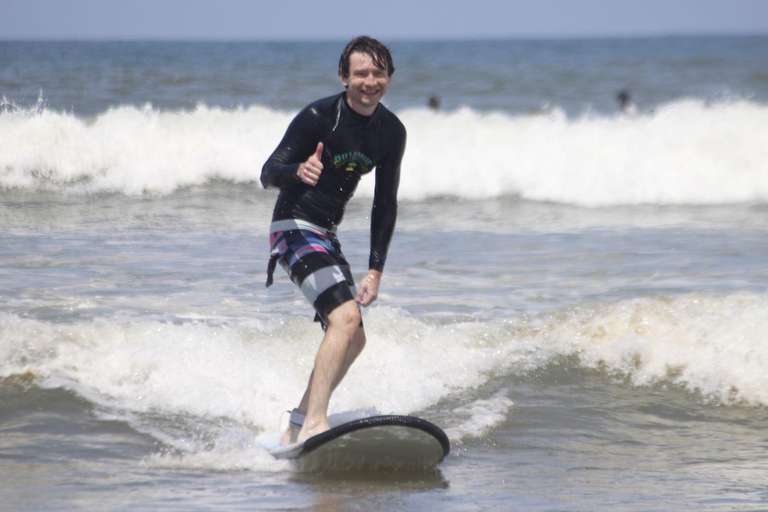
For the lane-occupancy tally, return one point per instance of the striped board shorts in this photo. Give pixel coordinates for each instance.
(312, 257)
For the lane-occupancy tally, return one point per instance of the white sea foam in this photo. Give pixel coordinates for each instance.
(135, 150)
(479, 417)
(685, 153)
(713, 345)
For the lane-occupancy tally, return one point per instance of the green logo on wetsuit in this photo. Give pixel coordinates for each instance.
(350, 161)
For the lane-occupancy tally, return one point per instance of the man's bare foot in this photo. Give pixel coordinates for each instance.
(311, 429)
(295, 424)
(289, 436)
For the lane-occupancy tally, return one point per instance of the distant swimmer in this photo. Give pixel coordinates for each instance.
(625, 102)
(326, 150)
(434, 103)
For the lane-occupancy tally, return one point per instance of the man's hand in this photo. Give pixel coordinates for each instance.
(309, 172)
(369, 288)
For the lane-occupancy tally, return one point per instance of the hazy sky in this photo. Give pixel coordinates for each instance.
(388, 19)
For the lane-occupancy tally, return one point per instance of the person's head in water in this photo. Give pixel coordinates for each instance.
(365, 69)
(623, 98)
(625, 102)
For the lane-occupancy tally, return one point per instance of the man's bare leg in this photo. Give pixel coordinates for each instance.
(344, 340)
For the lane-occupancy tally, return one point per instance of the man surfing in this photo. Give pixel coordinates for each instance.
(326, 150)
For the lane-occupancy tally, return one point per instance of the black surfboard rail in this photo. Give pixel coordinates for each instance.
(319, 440)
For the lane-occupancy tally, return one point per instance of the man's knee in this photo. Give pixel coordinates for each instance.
(359, 339)
(347, 317)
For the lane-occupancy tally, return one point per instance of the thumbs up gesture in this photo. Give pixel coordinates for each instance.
(309, 172)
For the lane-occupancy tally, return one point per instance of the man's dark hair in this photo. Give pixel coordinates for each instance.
(364, 44)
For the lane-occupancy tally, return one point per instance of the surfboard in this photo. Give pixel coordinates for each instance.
(376, 442)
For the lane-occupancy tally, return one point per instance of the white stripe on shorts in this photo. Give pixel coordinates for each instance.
(319, 281)
(290, 224)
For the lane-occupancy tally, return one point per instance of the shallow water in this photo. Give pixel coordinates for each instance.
(578, 298)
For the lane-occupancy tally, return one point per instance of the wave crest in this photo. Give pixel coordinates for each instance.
(685, 152)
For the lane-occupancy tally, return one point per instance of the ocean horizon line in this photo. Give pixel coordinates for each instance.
(398, 39)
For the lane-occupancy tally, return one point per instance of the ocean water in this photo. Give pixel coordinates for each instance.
(577, 296)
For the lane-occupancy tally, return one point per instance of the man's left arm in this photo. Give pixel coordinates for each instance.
(383, 219)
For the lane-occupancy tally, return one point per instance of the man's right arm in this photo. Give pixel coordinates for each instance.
(282, 167)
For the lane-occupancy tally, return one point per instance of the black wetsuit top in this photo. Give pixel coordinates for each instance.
(353, 145)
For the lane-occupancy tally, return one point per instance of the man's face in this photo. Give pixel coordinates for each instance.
(366, 83)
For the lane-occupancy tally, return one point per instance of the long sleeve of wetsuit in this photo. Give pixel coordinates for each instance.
(299, 142)
(384, 211)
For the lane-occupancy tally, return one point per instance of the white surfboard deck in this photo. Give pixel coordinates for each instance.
(377, 442)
